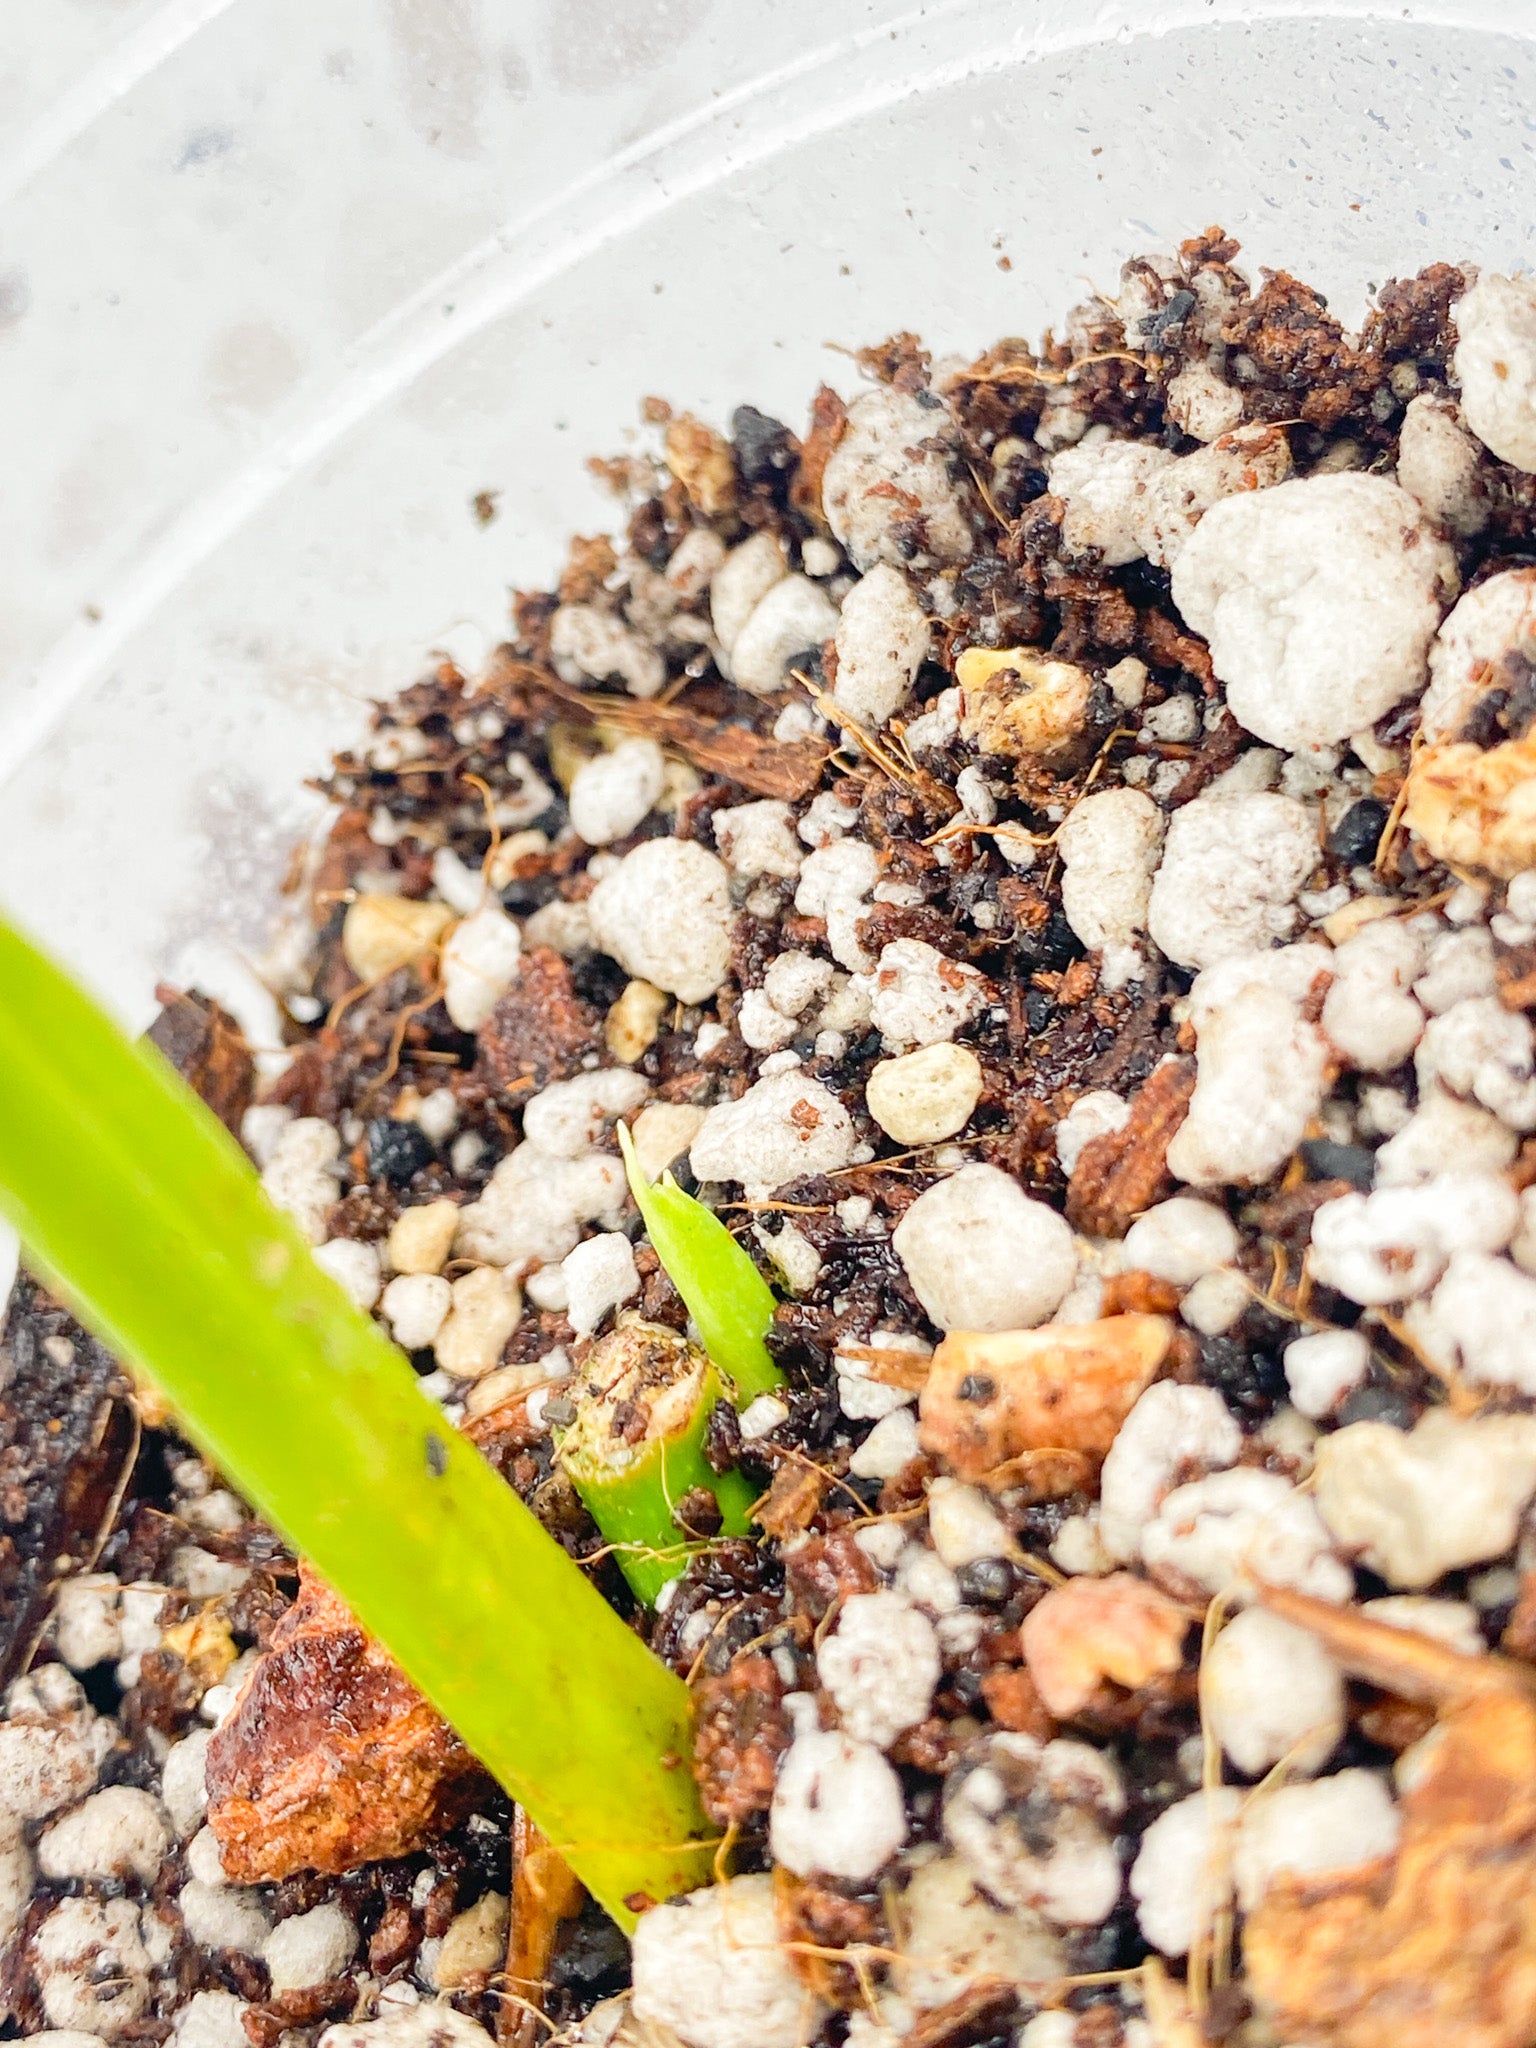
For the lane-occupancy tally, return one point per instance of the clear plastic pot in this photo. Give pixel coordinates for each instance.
(284, 286)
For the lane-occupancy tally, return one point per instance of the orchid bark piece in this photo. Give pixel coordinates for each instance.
(124, 1186)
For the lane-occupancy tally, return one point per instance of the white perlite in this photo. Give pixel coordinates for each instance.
(1094, 1115)
(1109, 846)
(981, 1255)
(919, 996)
(300, 1176)
(793, 618)
(880, 1666)
(881, 641)
(1415, 1505)
(224, 1915)
(91, 1966)
(1439, 463)
(436, 2025)
(565, 1120)
(1368, 1014)
(1171, 1431)
(584, 642)
(665, 915)
(1230, 871)
(781, 1130)
(309, 1948)
(87, 1620)
(1301, 1830)
(613, 792)
(1035, 1823)
(479, 961)
(1395, 1243)
(1272, 1691)
(1321, 1369)
(837, 1807)
(353, 1266)
(964, 1526)
(211, 2019)
(599, 1275)
(834, 881)
(1203, 404)
(1252, 458)
(1443, 1128)
(1261, 1074)
(741, 582)
(759, 839)
(415, 1306)
(1481, 1320)
(876, 451)
(1236, 1527)
(711, 1966)
(1104, 484)
(487, 1305)
(183, 1781)
(120, 1832)
(953, 1935)
(1180, 1240)
(1496, 619)
(1495, 365)
(1478, 1048)
(1319, 599)
(1182, 1876)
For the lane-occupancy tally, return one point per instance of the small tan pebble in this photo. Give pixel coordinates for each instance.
(925, 1095)
(508, 1382)
(486, 1307)
(634, 1020)
(475, 1944)
(1088, 1630)
(382, 933)
(662, 1132)
(1341, 925)
(1475, 809)
(1068, 1386)
(422, 1238)
(1018, 703)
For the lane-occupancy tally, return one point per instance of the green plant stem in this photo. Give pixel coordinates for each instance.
(634, 1491)
(131, 1193)
(731, 1303)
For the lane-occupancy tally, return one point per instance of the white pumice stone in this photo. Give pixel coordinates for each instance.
(981, 1255)
(665, 915)
(926, 1095)
(711, 1966)
(1495, 365)
(1319, 599)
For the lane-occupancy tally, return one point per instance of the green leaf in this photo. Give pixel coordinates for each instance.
(127, 1189)
(731, 1303)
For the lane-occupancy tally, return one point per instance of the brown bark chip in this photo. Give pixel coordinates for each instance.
(1124, 1172)
(741, 1731)
(207, 1048)
(331, 1757)
(541, 1029)
(1437, 1944)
